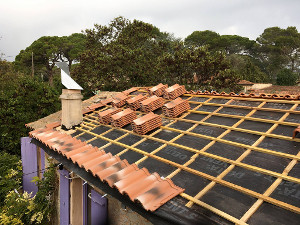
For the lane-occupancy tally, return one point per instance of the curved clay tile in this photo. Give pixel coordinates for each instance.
(150, 190)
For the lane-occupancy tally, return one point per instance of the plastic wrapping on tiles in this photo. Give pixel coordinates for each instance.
(150, 190)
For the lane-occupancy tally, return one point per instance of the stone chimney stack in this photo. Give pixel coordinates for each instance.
(71, 101)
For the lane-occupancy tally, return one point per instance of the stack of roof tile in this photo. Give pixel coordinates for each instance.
(105, 116)
(174, 91)
(158, 90)
(120, 100)
(152, 103)
(141, 186)
(123, 118)
(146, 123)
(134, 103)
(176, 107)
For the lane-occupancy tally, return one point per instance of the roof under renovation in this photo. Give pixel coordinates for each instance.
(230, 158)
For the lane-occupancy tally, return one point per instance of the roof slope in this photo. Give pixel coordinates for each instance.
(234, 155)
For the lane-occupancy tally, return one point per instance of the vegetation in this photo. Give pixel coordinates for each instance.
(22, 208)
(23, 99)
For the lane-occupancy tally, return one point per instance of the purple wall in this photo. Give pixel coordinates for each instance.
(42, 161)
(29, 164)
(64, 191)
(98, 208)
(85, 203)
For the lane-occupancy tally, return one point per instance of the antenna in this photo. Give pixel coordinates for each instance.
(66, 79)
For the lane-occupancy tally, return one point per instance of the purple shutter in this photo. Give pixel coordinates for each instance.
(64, 193)
(84, 203)
(29, 164)
(98, 208)
(42, 162)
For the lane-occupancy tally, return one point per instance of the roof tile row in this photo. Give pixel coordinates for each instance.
(105, 116)
(152, 103)
(150, 190)
(134, 103)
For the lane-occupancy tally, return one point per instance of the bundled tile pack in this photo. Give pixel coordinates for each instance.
(134, 103)
(176, 107)
(158, 90)
(146, 123)
(105, 116)
(174, 91)
(123, 118)
(152, 103)
(120, 100)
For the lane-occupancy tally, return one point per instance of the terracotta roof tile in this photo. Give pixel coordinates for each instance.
(146, 123)
(176, 107)
(174, 91)
(152, 103)
(105, 116)
(123, 118)
(141, 186)
(134, 103)
(120, 100)
(158, 90)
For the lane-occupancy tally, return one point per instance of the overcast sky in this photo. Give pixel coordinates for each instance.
(24, 21)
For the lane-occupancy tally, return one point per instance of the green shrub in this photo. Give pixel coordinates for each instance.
(286, 77)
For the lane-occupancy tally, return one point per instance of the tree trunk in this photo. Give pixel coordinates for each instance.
(50, 75)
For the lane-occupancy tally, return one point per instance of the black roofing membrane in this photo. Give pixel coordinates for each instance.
(266, 161)
(114, 149)
(226, 151)
(288, 192)
(208, 131)
(222, 120)
(131, 156)
(254, 125)
(249, 179)
(268, 115)
(161, 168)
(174, 154)
(183, 178)
(209, 166)
(271, 214)
(236, 111)
(245, 103)
(293, 118)
(228, 200)
(207, 108)
(284, 130)
(98, 142)
(219, 100)
(279, 145)
(295, 172)
(241, 137)
(114, 134)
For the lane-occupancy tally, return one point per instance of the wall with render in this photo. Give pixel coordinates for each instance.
(260, 86)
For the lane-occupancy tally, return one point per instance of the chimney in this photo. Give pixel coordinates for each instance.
(71, 101)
